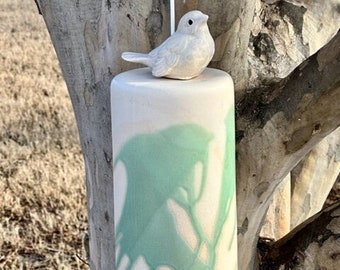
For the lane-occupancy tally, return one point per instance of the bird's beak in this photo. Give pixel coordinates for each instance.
(205, 17)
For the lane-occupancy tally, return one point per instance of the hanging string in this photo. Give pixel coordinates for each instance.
(172, 16)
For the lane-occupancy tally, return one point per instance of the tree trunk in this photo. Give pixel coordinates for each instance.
(276, 125)
(80, 40)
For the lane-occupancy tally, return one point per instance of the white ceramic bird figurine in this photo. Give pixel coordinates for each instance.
(185, 54)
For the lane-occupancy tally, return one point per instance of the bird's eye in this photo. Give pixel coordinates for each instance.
(190, 22)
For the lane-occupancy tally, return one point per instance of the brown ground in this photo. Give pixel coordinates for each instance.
(42, 190)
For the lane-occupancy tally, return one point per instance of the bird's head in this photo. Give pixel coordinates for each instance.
(192, 22)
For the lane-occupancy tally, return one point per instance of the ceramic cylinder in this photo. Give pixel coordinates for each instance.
(174, 171)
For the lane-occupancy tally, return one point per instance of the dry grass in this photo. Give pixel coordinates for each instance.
(42, 203)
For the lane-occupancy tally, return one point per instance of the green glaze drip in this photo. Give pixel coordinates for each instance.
(160, 166)
(228, 185)
(229, 175)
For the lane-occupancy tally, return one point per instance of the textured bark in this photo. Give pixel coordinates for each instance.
(231, 24)
(313, 179)
(285, 33)
(303, 192)
(276, 125)
(80, 43)
(277, 221)
(315, 244)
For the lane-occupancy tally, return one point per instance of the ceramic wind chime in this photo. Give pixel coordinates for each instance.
(174, 156)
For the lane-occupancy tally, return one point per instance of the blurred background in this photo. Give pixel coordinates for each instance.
(42, 188)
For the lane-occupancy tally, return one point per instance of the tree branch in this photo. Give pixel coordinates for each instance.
(277, 125)
(311, 245)
(314, 79)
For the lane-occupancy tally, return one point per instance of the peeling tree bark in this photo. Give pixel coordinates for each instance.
(304, 191)
(281, 128)
(285, 33)
(314, 178)
(277, 221)
(277, 127)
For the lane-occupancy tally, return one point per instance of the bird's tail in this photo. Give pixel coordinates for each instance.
(141, 58)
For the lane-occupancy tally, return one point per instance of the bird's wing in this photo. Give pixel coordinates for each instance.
(166, 57)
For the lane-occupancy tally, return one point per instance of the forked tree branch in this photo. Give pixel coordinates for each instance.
(277, 125)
